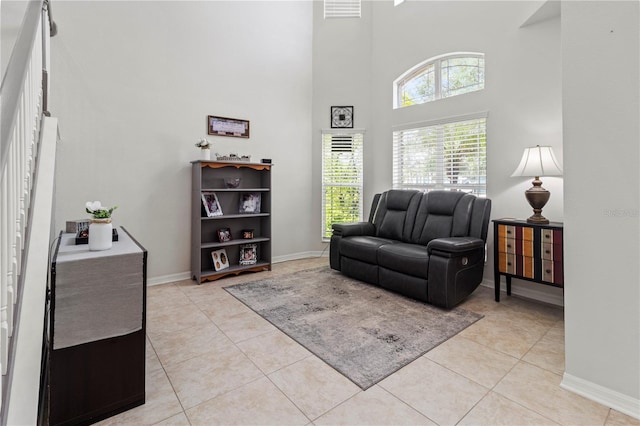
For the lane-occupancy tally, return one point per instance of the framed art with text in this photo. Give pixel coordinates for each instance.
(223, 126)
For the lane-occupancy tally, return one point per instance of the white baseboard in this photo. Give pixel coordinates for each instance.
(164, 279)
(605, 396)
(298, 256)
(535, 292)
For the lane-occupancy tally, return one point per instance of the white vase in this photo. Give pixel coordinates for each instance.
(205, 154)
(100, 234)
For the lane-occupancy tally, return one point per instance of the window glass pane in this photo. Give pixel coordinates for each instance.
(461, 75)
(420, 88)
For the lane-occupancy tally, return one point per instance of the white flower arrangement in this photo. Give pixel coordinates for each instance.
(95, 208)
(203, 144)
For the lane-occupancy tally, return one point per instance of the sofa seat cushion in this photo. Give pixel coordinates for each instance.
(411, 259)
(363, 248)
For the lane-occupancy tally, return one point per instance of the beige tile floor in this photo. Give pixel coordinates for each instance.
(211, 360)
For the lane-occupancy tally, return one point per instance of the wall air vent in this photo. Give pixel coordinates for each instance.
(342, 9)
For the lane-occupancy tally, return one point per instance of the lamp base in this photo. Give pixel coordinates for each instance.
(537, 197)
(538, 218)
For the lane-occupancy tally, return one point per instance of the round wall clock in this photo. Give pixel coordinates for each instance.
(341, 117)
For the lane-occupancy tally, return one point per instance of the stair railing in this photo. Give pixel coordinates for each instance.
(23, 184)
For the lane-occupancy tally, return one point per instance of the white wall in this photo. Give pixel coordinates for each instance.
(341, 76)
(132, 85)
(11, 16)
(601, 91)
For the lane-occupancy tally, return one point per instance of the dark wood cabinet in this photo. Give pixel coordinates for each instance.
(96, 334)
(527, 251)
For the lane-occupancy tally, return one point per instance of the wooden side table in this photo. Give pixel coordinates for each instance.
(527, 251)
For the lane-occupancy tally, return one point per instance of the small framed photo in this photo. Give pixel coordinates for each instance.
(247, 234)
(224, 235)
(220, 259)
(223, 126)
(248, 254)
(249, 202)
(211, 204)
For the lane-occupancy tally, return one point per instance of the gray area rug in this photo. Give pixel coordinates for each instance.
(363, 331)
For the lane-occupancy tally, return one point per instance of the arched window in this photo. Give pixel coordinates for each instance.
(440, 77)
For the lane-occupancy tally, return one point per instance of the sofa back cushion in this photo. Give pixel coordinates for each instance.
(396, 213)
(480, 218)
(443, 214)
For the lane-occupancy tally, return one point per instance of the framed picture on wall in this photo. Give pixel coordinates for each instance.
(342, 117)
(223, 126)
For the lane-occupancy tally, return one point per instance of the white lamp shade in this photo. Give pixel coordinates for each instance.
(538, 161)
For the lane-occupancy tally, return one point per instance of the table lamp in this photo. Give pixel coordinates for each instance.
(538, 161)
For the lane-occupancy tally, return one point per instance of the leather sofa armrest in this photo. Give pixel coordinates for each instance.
(357, 228)
(454, 246)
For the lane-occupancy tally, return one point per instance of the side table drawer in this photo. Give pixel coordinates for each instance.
(552, 252)
(506, 231)
(553, 236)
(552, 272)
(515, 239)
(507, 263)
(507, 245)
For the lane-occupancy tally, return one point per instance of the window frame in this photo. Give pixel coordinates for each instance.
(421, 68)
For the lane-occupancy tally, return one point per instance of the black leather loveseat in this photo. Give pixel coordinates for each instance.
(427, 246)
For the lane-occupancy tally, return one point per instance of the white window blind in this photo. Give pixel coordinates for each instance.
(342, 9)
(448, 156)
(342, 162)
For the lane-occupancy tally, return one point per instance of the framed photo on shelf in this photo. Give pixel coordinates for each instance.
(224, 235)
(223, 126)
(220, 259)
(248, 254)
(249, 202)
(211, 204)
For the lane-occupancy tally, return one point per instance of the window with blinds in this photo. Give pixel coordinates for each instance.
(342, 9)
(448, 156)
(342, 160)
